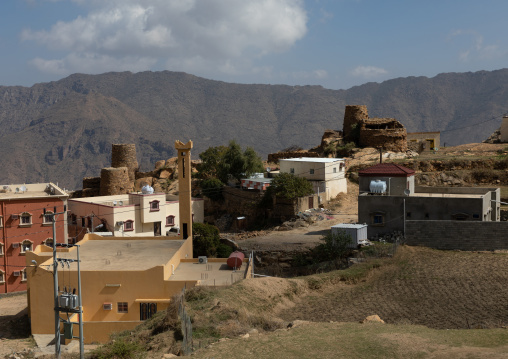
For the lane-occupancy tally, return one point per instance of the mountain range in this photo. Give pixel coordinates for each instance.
(62, 131)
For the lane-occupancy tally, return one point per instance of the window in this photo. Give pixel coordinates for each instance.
(25, 219)
(378, 219)
(74, 219)
(128, 225)
(154, 206)
(83, 222)
(292, 170)
(476, 216)
(146, 310)
(426, 216)
(311, 171)
(1, 221)
(123, 307)
(48, 242)
(335, 170)
(408, 215)
(23, 275)
(1, 249)
(26, 246)
(2, 276)
(170, 220)
(47, 218)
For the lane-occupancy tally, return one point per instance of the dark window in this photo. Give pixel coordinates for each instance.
(123, 307)
(128, 225)
(170, 220)
(154, 206)
(408, 215)
(378, 219)
(311, 171)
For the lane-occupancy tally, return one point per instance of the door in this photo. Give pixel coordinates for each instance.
(146, 310)
(156, 228)
(311, 202)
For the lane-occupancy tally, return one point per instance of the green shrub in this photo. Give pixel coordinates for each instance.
(212, 188)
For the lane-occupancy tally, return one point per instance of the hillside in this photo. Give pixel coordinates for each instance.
(67, 127)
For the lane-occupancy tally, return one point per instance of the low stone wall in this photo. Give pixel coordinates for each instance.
(389, 139)
(461, 235)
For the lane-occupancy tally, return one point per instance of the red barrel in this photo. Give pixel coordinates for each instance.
(235, 260)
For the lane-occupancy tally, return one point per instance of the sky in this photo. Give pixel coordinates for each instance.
(333, 43)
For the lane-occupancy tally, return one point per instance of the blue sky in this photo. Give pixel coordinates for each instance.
(333, 43)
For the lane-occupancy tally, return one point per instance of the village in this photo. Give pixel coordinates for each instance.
(108, 257)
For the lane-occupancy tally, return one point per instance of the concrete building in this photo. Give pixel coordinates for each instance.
(504, 129)
(327, 175)
(25, 222)
(423, 141)
(125, 280)
(133, 214)
(388, 198)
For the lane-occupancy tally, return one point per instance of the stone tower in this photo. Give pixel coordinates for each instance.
(124, 155)
(184, 183)
(352, 115)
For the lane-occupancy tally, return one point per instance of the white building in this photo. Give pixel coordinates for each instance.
(327, 175)
(133, 214)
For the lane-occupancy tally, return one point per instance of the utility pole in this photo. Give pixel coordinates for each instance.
(67, 309)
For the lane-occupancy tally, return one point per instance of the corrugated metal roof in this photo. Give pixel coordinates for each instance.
(387, 169)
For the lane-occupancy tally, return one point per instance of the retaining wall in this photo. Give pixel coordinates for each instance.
(462, 235)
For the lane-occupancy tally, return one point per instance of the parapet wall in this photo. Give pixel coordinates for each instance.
(275, 157)
(461, 235)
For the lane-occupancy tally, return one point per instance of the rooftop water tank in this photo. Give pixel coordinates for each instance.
(147, 189)
(378, 186)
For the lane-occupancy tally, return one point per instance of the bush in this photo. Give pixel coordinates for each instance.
(205, 239)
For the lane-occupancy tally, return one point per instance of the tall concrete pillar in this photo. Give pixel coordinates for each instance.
(184, 183)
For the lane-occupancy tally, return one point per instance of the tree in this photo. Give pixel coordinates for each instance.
(229, 162)
(205, 239)
(289, 186)
(212, 188)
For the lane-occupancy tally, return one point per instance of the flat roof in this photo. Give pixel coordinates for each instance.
(312, 159)
(34, 190)
(349, 225)
(447, 195)
(210, 274)
(123, 254)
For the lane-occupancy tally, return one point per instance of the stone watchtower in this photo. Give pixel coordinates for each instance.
(184, 183)
(352, 115)
(124, 155)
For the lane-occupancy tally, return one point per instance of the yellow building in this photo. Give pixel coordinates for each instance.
(124, 280)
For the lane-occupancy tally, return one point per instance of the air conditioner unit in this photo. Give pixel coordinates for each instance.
(107, 306)
(119, 223)
(16, 273)
(202, 260)
(15, 245)
(14, 216)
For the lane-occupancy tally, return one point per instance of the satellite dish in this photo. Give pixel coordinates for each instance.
(268, 169)
(120, 203)
(407, 192)
(114, 203)
(17, 189)
(6, 188)
(23, 188)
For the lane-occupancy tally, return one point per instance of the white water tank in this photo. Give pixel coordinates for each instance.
(147, 189)
(377, 186)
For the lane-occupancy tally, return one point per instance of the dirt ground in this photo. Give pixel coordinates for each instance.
(14, 330)
(344, 209)
(437, 289)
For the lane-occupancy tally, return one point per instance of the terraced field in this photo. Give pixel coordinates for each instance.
(437, 289)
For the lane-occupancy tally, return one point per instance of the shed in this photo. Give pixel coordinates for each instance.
(356, 231)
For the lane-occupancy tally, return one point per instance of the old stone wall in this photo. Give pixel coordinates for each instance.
(124, 155)
(115, 181)
(461, 235)
(353, 114)
(91, 182)
(389, 139)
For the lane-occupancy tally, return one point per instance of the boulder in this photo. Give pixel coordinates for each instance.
(372, 318)
(160, 164)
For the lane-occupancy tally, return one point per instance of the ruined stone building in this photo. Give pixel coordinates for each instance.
(387, 133)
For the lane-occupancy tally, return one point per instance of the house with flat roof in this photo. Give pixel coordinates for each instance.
(135, 214)
(124, 281)
(26, 221)
(388, 198)
(327, 175)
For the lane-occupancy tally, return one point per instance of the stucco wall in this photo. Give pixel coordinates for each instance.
(395, 186)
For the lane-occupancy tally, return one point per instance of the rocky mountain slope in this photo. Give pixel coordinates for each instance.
(63, 130)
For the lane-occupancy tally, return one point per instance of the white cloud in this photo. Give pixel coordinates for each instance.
(187, 35)
(476, 47)
(368, 72)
